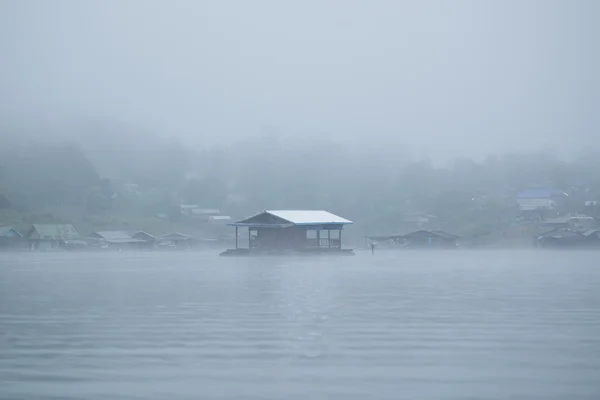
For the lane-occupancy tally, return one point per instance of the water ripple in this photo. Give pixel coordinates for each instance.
(486, 325)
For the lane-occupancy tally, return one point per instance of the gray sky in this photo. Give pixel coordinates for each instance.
(444, 77)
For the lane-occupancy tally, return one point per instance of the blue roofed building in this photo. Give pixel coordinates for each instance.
(539, 201)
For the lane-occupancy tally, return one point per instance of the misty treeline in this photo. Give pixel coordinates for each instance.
(371, 183)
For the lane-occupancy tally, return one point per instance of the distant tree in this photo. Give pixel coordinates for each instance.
(51, 174)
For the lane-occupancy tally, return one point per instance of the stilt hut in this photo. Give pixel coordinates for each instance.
(290, 232)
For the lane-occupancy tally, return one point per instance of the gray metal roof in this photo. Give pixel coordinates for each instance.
(53, 232)
(300, 217)
(591, 232)
(4, 230)
(113, 235)
(176, 236)
(116, 237)
(142, 233)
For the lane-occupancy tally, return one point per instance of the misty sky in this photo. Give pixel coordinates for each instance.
(443, 77)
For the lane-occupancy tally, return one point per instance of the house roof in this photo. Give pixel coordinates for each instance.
(444, 233)
(4, 230)
(295, 217)
(113, 235)
(176, 236)
(142, 233)
(591, 232)
(53, 232)
(116, 237)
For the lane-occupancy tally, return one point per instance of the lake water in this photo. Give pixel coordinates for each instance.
(399, 325)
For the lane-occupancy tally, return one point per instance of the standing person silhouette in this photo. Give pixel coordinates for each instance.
(373, 248)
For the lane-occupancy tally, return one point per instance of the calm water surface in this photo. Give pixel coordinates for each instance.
(449, 325)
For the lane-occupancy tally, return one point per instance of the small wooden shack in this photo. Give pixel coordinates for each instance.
(148, 241)
(569, 238)
(9, 237)
(291, 232)
(45, 237)
(117, 240)
(176, 240)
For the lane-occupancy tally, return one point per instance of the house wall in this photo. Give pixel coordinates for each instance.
(10, 240)
(285, 238)
(297, 238)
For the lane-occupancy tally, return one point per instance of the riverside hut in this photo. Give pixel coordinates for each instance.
(290, 232)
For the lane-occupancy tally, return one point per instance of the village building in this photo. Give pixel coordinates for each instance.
(291, 232)
(143, 236)
(569, 238)
(538, 203)
(187, 209)
(177, 240)
(46, 236)
(117, 240)
(205, 214)
(9, 237)
(192, 211)
(579, 221)
(219, 218)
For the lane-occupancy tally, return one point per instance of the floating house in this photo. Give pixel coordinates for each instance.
(9, 237)
(176, 240)
(117, 240)
(44, 237)
(569, 238)
(291, 232)
(148, 241)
